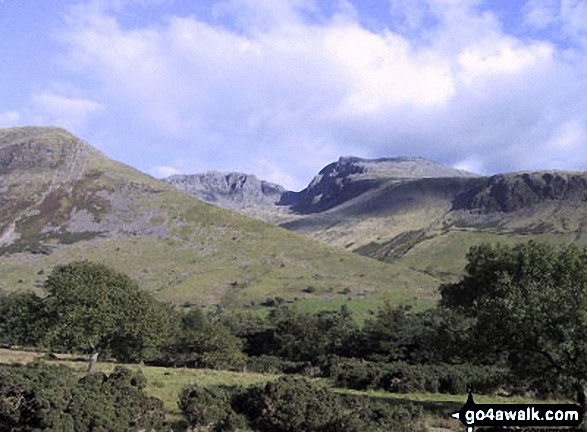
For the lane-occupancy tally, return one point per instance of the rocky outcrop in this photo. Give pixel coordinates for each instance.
(511, 192)
(55, 189)
(228, 190)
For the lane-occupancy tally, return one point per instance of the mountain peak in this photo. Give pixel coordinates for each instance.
(37, 147)
(351, 176)
(232, 190)
(402, 167)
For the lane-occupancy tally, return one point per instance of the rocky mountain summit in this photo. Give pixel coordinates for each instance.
(60, 199)
(239, 192)
(512, 192)
(230, 190)
(55, 188)
(350, 177)
(335, 184)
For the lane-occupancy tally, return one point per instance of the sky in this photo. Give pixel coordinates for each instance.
(282, 88)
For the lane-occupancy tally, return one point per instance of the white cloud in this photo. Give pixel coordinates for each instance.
(539, 13)
(68, 112)
(502, 58)
(268, 170)
(10, 118)
(573, 14)
(472, 164)
(382, 70)
(569, 136)
(261, 88)
(163, 171)
(565, 18)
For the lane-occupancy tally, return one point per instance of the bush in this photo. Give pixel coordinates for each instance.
(291, 404)
(267, 364)
(364, 415)
(22, 319)
(42, 397)
(210, 408)
(400, 377)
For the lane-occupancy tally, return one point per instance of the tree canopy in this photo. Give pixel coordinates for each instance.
(529, 305)
(90, 304)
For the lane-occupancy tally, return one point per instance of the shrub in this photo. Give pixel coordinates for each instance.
(210, 408)
(291, 404)
(203, 406)
(42, 397)
(364, 415)
(400, 377)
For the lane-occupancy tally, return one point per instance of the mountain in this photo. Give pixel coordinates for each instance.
(429, 224)
(62, 200)
(243, 193)
(423, 216)
(350, 177)
(336, 183)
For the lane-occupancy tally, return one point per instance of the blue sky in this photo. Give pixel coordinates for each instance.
(281, 88)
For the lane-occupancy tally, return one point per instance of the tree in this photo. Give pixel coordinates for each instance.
(22, 319)
(202, 341)
(91, 305)
(394, 334)
(529, 306)
(300, 336)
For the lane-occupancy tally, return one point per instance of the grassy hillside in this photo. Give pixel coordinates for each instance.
(63, 201)
(428, 225)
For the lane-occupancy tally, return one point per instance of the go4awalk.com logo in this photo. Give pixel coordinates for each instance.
(515, 415)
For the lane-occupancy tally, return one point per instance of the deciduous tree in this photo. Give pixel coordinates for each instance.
(529, 303)
(92, 305)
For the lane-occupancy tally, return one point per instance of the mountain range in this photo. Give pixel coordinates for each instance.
(62, 200)
(363, 231)
(417, 213)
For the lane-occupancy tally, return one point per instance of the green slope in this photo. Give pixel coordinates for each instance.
(428, 225)
(63, 200)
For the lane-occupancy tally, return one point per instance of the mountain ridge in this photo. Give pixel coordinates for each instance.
(337, 182)
(395, 215)
(63, 200)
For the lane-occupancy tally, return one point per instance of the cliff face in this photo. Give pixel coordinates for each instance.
(419, 213)
(56, 189)
(230, 190)
(512, 192)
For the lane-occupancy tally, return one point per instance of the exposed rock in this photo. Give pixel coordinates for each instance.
(511, 192)
(55, 190)
(350, 177)
(229, 190)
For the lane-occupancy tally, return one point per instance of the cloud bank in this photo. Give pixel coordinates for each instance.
(282, 88)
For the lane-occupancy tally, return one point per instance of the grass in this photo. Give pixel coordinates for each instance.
(444, 256)
(365, 307)
(234, 273)
(458, 399)
(166, 383)
(175, 246)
